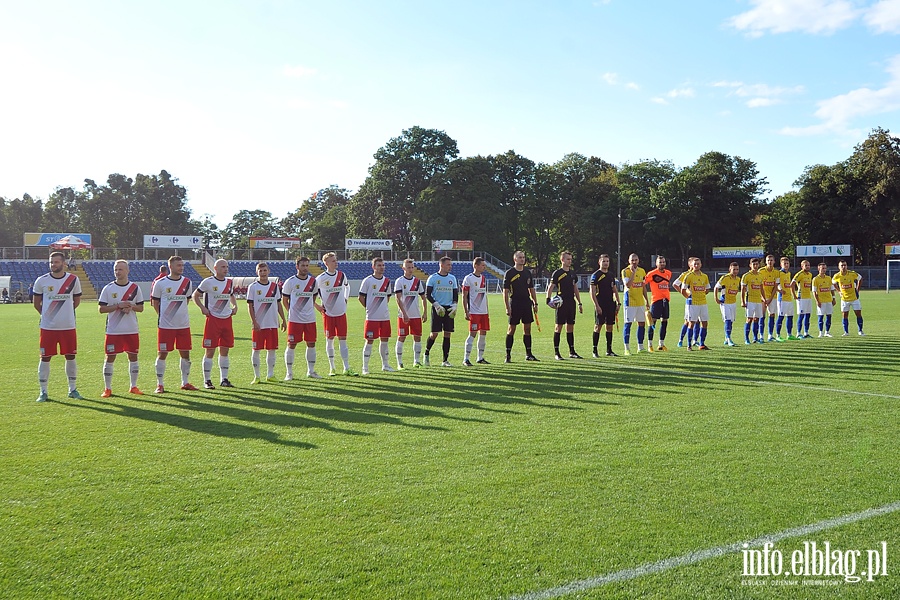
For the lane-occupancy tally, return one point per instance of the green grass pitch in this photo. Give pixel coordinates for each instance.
(484, 482)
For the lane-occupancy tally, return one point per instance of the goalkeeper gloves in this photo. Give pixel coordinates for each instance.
(440, 310)
(452, 311)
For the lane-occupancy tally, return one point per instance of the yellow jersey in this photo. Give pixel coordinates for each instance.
(804, 281)
(634, 286)
(787, 292)
(770, 279)
(754, 284)
(823, 286)
(698, 283)
(847, 285)
(732, 286)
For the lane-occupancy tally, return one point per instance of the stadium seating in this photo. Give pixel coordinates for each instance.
(460, 269)
(100, 272)
(23, 270)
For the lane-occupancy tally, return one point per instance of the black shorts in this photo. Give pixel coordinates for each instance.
(565, 314)
(439, 323)
(660, 309)
(608, 317)
(521, 313)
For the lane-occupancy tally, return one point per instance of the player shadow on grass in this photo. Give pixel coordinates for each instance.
(206, 426)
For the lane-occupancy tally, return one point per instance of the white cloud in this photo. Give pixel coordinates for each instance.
(783, 16)
(884, 16)
(298, 71)
(659, 100)
(838, 112)
(727, 84)
(761, 102)
(681, 93)
(613, 79)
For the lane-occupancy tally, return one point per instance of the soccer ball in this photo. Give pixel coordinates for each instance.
(555, 302)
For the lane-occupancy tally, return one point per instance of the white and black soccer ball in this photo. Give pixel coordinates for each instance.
(555, 302)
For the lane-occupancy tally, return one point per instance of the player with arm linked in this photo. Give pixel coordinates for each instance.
(170, 297)
(786, 289)
(848, 283)
(802, 283)
(475, 304)
(120, 301)
(442, 291)
(751, 300)
(334, 290)
(374, 294)
(696, 287)
(823, 290)
(409, 289)
(728, 288)
(215, 297)
(658, 280)
(521, 304)
(770, 278)
(299, 294)
(264, 304)
(686, 328)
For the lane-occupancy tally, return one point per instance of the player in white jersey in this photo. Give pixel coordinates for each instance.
(299, 294)
(215, 297)
(334, 290)
(375, 292)
(120, 301)
(474, 294)
(409, 289)
(170, 297)
(56, 296)
(264, 303)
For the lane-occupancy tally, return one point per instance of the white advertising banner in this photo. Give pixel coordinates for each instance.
(173, 241)
(825, 250)
(360, 244)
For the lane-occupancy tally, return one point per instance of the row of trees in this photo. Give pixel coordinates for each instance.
(418, 189)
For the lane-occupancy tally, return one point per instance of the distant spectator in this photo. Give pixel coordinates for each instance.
(163, 272)
(4, 297)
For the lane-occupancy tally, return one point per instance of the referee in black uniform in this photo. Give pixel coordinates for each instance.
(605, 296)
(564, 281)
(521, 304)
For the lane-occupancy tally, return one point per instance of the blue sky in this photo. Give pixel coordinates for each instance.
(259, 104)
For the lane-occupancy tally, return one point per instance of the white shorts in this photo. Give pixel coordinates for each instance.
(785, 308)
(826, 309)
(754, 310)
(804, 306)
(848, 306)
(635, 314)
(772, 307)
(729, 311)
(699, 312)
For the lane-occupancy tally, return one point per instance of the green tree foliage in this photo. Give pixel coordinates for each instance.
(17, 217)
(464, 202)
(387, 202)
(515, 175)
(713, 202)
(321, 221)
(247, 224)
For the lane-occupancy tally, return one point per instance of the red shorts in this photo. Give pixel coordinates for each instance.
(265, 339)
(414, 327)
(335, 326)
(64, 338)
(117, 343)
(377, 329)
(168, 340)
(301, 332)
(479, 323)
(218, 333)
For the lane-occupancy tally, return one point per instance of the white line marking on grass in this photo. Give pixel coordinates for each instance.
(813, 388)
(701, 555)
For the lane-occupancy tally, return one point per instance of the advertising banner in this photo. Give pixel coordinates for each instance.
(739, 252)
(45, 239)
(441, 245)
(825, 250)
(173, 241)
(360, 244)
(264, 242)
